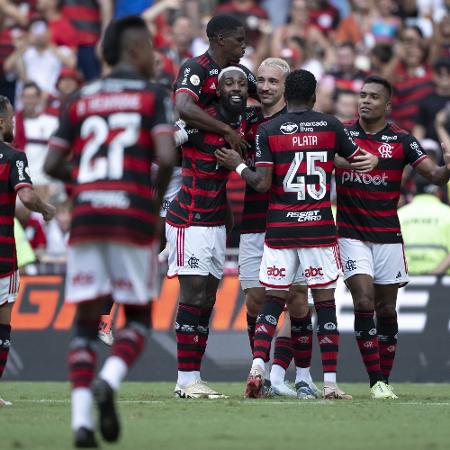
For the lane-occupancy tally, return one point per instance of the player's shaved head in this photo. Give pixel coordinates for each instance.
(120, 35)
(300, 87)
(221, 24)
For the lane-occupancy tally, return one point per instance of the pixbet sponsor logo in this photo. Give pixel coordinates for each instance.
(364, 178)
(314, 272)
(276, 272)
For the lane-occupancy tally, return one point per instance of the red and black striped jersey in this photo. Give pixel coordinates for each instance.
(14, 175)
(199, 78)
(108, 128)
(301, 147)
(85, 17)
(202, 199)
(409, 91)
(6, 46)
(255, 203)
(367, 202)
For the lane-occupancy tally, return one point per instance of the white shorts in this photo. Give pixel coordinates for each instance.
(172, 189)
(96, 269)
(319, 265)
(9, 287)
(196, 250)
(385, 263)
(251, 249)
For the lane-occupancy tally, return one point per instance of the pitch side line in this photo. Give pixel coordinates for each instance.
(247, 402)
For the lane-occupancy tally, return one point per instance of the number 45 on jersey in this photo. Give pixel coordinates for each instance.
(295, 181)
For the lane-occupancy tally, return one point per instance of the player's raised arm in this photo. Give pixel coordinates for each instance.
(198, 118)
(196, 85)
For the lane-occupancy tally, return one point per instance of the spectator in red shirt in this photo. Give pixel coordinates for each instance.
(68, 82)
(249, 13)
(62, 32)
(411, 77)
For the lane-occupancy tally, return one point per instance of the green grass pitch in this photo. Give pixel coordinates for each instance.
(152, 419)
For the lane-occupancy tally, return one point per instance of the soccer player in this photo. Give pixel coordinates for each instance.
(14, 180)
(270, 79)
(196, 232)
(369, 235)
(196, 86)
(109, 135)
(294, 160)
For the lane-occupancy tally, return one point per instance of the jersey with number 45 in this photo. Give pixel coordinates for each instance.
(108, 129)
(300, 146)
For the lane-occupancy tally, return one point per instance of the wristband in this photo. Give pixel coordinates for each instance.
(240, 168)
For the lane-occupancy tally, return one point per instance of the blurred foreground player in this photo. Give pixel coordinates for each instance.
(114, 128)
(368, 227)
(14, 180)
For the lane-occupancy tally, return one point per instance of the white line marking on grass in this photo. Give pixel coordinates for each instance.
(247, 402)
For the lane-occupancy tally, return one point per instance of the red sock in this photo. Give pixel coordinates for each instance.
(82, 357)
(251, 324)
(266, 324)
(282, 354)
(327, 334)
(187, 321)
(387, 328)
(129, 343)
(5, 341)
(203, 332)
(301, 336)
(366, 337)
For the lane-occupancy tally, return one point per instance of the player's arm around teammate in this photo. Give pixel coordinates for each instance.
(369, 234)
(281, 146)
(195, 88)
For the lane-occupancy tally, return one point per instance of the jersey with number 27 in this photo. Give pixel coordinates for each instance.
(109, 128)
(300, 146)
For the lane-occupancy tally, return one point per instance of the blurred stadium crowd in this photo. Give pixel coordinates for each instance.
(48, 48)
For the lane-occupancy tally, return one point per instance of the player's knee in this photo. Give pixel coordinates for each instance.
(298, 309)
(385, 310)
(193, 290)
(210, 301)
(254, 301)
(363, 300)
